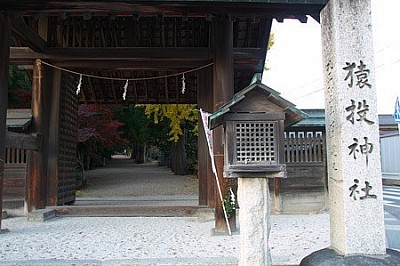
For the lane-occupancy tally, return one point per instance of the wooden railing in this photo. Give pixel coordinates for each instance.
(302, 147)
(15, 156)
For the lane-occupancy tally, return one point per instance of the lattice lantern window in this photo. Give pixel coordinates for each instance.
(256, 143)
(254, 148)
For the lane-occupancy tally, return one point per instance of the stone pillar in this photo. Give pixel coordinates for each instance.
(353, 151)
(254, 219)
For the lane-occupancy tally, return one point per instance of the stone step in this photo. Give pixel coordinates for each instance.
(138, 201)
(130, 211)
(13, 203)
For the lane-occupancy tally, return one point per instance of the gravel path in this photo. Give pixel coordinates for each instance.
(147, 241)
(124, 178)
(150, 241)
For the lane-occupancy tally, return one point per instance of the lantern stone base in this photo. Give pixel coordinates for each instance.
(254, 219)
(41, 215)
(329, 257)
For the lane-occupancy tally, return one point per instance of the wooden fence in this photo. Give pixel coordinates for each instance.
(304, 189)
(14, 177)
(304, 147)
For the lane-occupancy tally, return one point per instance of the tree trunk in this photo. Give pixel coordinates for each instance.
(86, 162)
(138, 153)
(178, 157)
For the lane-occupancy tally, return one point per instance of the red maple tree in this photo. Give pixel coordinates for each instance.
(98, 133)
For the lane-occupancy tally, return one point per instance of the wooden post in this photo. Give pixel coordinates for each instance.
(4, 65)
(211, 184)
(36, 187)
(36, 178)
(222, 92)
(54, 124)
(202, 149)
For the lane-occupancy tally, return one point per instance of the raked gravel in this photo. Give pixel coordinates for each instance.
(150, 241)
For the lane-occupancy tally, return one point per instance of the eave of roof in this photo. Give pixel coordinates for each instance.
(19, 118)
(274, 96)
(76, 2)
(316, 118)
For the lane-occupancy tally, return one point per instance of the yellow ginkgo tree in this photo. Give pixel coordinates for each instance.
(178, 115)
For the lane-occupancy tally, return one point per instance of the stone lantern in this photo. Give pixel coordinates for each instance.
(254, 122)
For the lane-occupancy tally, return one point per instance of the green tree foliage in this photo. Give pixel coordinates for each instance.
(19, 88)
(135, 127)
(140, 131)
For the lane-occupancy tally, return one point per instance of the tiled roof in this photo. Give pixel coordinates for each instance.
(316, 118)
(19, 118)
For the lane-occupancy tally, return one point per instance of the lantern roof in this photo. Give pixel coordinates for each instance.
(292, 114)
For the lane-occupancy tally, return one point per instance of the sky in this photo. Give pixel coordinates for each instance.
(295, 60)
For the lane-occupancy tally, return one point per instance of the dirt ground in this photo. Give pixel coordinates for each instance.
(123, 178)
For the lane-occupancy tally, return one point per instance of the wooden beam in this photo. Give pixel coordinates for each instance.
(127, 59)
(43, 28)
(243, 58)
(4, 65)
(21, 141)
(127, 65)
(130, 53)
(192, 8)
(28, 36)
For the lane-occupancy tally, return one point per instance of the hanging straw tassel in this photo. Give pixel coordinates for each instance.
(125, 89)
(78, 88)
(183, 84)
